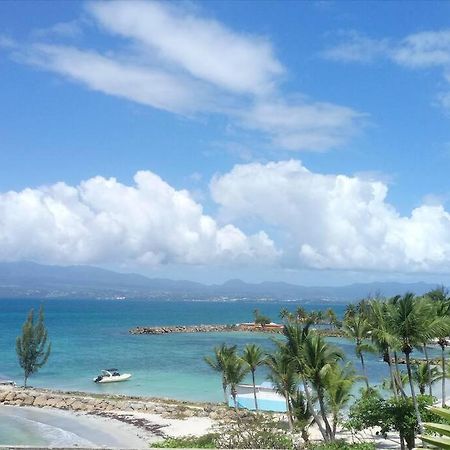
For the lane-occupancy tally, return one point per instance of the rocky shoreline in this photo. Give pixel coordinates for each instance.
(102, 404)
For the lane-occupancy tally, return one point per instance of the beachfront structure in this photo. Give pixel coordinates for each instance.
(268, 399)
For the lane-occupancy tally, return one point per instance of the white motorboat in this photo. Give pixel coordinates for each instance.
(111, 376)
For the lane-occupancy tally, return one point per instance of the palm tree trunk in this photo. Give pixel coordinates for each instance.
(361, 357)
(425, 352)
(324, 412)
(289, 412)
(391, 373)
(443, 375)
(254, 390)
(25, 381)
(397, 377)
(225, 394)
(233, 394)
(413, 393)
(313, 411)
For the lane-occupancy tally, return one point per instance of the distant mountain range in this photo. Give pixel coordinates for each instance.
(27, 279)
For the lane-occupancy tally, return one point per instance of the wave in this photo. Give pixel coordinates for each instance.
(52, 434)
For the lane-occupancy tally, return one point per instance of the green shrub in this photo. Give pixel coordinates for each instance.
(205, 441)
(253, 432)
(341, 445)
(393, 414)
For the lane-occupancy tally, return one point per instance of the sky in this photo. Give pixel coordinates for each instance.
(306, 142)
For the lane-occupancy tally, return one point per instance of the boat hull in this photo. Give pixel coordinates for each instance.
(124, 377)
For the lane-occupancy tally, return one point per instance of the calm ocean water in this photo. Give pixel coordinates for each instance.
(90, 335)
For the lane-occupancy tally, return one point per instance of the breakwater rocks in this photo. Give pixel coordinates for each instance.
(108, 405)
(184, 329)
(208, 329)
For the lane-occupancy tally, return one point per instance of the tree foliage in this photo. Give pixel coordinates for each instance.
(32, 347)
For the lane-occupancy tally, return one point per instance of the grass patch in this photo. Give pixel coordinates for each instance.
(205, 441)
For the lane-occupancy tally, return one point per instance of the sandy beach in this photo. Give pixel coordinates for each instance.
(122, 424)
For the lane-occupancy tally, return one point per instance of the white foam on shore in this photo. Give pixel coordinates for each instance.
(55, 428)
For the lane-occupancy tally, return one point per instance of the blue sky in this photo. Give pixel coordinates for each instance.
(300, 141)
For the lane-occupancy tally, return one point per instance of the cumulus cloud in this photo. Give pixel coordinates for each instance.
(169, 57)
(335, 221)
(102, 220)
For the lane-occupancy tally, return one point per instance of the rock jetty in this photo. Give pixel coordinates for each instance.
(183, 329)
(275, 328)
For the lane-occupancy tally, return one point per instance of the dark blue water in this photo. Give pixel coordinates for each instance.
(90, 335)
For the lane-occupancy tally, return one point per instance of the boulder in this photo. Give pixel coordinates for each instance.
(40, 401)
(28, 401)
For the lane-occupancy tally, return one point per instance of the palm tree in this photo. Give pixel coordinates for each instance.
(302, 414)
(384, 340)
(406, 319)
(358, 328)
(425, 375)
(218, 362)
(284, 378)
(254, 357)
(235, 371)
(292, 348)
(339, 383)
(441, 302)
(317, 358)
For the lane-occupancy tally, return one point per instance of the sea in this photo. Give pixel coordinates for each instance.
(90, 335)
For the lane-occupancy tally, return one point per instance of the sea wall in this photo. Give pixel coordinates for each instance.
(329, 332)
(204, 329)
(103, 404)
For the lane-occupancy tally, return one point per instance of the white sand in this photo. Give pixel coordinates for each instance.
(82, 429)
(93, 431)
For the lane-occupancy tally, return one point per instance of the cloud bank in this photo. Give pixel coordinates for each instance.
(306, 220)
(105, 221)
(335, 221)
(175, 59)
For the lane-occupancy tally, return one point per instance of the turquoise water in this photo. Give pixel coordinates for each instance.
(90, 335)
(87, 336)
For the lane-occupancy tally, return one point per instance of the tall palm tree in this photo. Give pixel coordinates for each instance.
(384, 339)
(292, 348)
(254, 356)
(339, 384)
(235, 371)
(218, 362)
(406, 318)
(358, 328)
(317, 359)
(440, 300)
(284, 378)
(424, 375)
(302, 414)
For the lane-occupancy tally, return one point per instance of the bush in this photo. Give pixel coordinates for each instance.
(253, 432)
(205, 441)
(393, 414)
(341, 445)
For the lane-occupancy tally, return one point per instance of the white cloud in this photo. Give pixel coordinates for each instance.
(203, 47)
(146, 85)
(102, 220)
(303, 125)
(356, 47)
(426, 49)
(335, 221)
(421, 50)
(165, 56)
